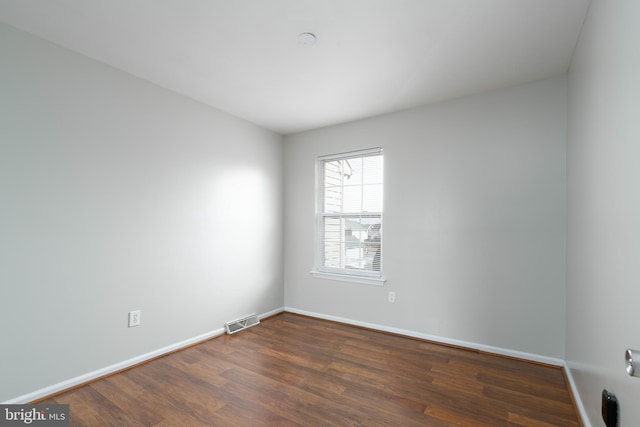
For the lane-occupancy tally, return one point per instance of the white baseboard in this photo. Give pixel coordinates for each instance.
(81, 379)
(576, 395)
(471, 345)
(271, 313)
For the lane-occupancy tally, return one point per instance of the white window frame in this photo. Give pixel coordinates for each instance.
(369, 277)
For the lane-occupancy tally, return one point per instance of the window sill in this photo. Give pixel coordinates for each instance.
(375, 281)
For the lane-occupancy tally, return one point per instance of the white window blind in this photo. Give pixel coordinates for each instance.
(349, 214)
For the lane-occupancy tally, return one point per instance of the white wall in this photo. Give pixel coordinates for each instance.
(474, 232)
(118, 195)
(603, 262)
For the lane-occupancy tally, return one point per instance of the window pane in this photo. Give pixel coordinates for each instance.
(373, 170)
(352, 199)
(333, 199)
(354, 166)
(351, 242)
(331, 240)
(372, 243)
(372, 198)
(332, 173)
(353, 185)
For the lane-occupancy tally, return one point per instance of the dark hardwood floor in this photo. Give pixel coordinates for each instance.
(293, 370)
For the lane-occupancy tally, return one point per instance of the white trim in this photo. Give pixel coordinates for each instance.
(466, 344)
(576, 395)
(375, 281)
(271, 313)
(81, 379)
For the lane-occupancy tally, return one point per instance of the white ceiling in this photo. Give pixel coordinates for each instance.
(371, 56)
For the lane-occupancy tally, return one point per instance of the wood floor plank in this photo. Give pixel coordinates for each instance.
(294, 370)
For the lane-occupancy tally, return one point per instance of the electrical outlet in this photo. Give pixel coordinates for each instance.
(134, 318)
(392, 297)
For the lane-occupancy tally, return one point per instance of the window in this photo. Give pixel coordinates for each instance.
(349, 216)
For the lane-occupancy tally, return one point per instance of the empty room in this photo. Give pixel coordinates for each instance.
(320, 213)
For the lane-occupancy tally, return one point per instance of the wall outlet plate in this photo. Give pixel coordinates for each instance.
(134, 318)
